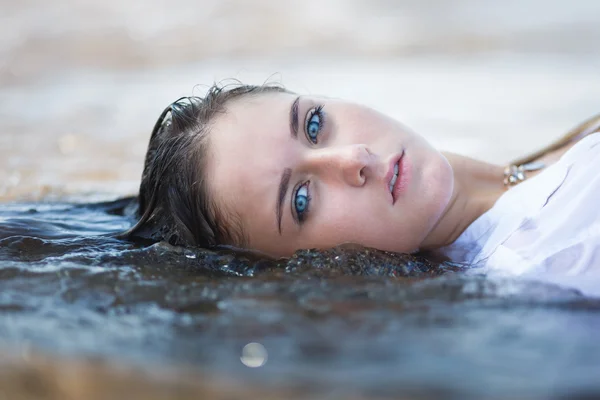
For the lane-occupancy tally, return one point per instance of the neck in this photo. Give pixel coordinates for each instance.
(477, 186)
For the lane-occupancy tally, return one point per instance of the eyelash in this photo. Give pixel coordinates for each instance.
(301, 215)
(314, 112)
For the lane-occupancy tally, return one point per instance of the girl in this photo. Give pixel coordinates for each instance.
(263, 168)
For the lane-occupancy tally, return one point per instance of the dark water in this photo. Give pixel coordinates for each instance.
(338, 322)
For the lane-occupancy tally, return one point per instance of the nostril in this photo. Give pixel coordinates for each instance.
(361, 175)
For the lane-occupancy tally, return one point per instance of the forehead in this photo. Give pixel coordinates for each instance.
(251, 115)
(250, 145)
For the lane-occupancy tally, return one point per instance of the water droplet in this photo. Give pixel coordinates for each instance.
(254, 355)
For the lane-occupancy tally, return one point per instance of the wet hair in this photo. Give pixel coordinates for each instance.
(174, 203)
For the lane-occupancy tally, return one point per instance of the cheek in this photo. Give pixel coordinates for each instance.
(357, 123)
(373, 124)
(335, 221)
(352, 216)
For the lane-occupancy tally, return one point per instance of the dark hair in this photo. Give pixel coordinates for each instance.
(174, 202)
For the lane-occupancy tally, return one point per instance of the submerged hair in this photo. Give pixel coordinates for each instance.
(175, 204)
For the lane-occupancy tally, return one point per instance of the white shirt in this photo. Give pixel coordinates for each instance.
(546, 228)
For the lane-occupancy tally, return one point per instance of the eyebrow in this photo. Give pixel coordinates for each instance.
(284, 183)
(294, 118)
(283, 188)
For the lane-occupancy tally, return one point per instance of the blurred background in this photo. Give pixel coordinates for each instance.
(82, 81)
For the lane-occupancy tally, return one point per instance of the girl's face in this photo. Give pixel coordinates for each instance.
(309, 172)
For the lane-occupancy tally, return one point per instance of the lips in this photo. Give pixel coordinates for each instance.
(394, 177)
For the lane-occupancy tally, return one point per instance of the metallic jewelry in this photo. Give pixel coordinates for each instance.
(515, 174)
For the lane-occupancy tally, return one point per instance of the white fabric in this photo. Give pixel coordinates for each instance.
(546, 228)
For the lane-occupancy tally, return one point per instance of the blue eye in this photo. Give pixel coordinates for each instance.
(314, 124)
(301, 201)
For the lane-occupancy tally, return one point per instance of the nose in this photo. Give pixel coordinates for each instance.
(352, 164)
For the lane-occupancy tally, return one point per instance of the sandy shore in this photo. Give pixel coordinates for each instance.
(43, 377)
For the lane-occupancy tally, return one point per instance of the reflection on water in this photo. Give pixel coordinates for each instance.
(81, 82)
